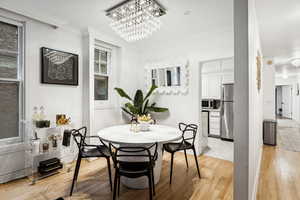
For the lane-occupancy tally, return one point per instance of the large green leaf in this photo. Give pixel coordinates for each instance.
(146, 107)
(157, 109)
(134, 110)
(153, 87)
(122, 93)
(138, 100)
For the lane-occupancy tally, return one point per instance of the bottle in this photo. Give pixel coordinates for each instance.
(42, 113)
(35, 116)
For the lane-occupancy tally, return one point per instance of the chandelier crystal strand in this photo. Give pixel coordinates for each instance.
(136, 19)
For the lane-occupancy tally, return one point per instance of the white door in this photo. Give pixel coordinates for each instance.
(287, 101)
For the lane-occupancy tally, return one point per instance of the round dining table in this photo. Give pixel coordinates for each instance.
(123, 135)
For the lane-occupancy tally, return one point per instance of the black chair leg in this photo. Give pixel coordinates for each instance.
(75, 174)
(109, 172)
(171, 171)
(119, 180)
(186, 160)
(153, 182)
(150, 185)
(115, 185)
(196, 160)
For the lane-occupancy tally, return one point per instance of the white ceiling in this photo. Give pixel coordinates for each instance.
(279, 23)
(205, 16)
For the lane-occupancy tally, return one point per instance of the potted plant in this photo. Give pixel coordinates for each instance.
(139, 107)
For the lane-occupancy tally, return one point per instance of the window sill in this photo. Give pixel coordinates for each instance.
(104, 106)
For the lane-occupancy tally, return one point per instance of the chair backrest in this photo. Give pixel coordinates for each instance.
(79, 137)
(189, 132)
(143, 152)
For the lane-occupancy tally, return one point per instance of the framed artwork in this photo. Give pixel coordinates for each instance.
(59, 67)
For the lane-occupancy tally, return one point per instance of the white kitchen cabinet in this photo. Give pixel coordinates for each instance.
(228, 78)
(214, 123)
(211, 67)
(214, 74)
(211, 86)
(214, 86)
(205, 94)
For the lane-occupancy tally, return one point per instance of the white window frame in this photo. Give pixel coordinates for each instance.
(19, 80)
(104, 104)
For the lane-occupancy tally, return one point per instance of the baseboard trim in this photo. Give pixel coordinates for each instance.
(13, 175)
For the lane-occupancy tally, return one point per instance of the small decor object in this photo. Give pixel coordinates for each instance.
(144, 122)
(66, 138)
(139, 105)
(136, 19)
(53, 139)
(45, 147)
(61, 119)
(42, 115)
(35, 146)
(258, 70)
(49, 166)
(59, 67)
(134, 126)
(42, 124)
(35, 116)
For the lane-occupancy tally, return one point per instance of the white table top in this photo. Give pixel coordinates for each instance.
(121, 134)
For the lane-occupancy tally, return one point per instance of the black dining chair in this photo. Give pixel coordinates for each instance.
(189, 132)
(135, 169)
(89, 151)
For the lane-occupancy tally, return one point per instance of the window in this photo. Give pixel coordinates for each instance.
(11, 81)
(102, 68)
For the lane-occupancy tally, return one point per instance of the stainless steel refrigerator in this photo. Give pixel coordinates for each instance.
(227, 112)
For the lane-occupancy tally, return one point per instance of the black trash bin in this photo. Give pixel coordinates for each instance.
(270, 132)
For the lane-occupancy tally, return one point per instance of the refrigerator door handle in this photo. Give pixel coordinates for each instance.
(222, 109)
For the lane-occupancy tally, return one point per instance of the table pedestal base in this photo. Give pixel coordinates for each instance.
(142, 182)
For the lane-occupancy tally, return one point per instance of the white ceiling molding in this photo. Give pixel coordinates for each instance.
(54, 22)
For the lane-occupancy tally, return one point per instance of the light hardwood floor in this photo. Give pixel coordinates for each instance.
(279, 175)
(216, 183)
(279, 180)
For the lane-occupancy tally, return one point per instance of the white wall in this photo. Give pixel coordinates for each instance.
(248, 103)
(58, 99)
(194, 49)
(125, 60)
(255, 103)
(126, 79)
(268, 84)
(55, 98)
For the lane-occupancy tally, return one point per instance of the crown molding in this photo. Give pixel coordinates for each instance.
(54, 22)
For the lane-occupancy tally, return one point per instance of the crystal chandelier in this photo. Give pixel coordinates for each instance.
(136, 19)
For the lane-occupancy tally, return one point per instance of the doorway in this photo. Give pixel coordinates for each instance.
(284, 101)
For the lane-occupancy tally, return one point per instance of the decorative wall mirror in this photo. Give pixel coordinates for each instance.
(171, 78)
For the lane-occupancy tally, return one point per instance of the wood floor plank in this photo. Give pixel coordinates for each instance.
(279, 180)
(216, 183)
